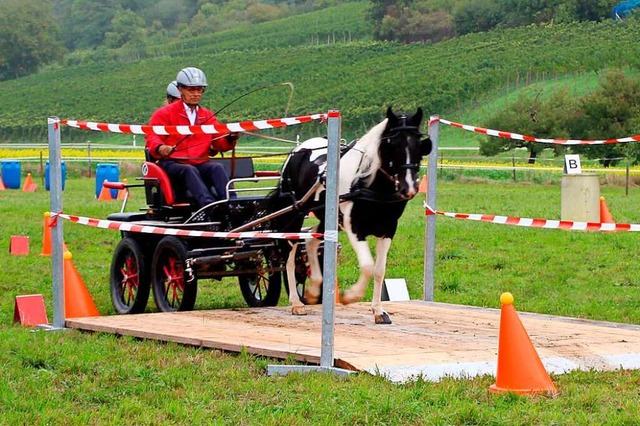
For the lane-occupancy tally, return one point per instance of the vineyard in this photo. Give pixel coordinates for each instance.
(338, 69)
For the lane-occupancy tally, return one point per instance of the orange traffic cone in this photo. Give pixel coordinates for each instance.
(422, 189)
(519, 367)
(105, 193)
(77, 300)
(2, 187)
(605, 214)
(123, 192)
(337, 290)
(29, 185)
(46, 235)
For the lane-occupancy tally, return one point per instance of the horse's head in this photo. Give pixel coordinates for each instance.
(401, 150)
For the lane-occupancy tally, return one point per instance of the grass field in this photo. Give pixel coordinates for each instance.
(73, 377)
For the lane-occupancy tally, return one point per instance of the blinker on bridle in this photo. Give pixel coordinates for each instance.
(392, 134)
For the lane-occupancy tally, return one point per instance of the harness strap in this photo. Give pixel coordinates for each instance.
(364, 194)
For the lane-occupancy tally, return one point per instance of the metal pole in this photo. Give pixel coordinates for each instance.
(55, 182)
(430, 225)
(330, 239)
(330, 261)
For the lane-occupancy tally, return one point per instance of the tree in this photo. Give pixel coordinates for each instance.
(85, 22)
(128, 29)
(29, 37)
(610, 112)
(476, 15)
(531, 116)
(410, 22)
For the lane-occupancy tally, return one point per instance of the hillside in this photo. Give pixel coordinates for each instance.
(360, 78)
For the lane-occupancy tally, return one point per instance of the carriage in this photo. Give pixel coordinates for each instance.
(379, 175)
(171, 263)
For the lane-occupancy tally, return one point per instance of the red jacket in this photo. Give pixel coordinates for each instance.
(192, 149)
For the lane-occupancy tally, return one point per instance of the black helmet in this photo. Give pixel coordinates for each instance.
(191, 77)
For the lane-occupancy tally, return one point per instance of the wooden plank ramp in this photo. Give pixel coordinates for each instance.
(427, 339)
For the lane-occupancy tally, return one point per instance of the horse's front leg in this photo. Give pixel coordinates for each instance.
(382, 249)
(314, 289)
(366, 264)
(297, 307)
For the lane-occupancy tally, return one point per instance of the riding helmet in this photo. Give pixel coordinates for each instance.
(191, 77)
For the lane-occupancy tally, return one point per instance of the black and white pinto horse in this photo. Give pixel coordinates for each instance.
(379, 174)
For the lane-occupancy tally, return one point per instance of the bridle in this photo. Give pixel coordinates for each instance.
(389, 170)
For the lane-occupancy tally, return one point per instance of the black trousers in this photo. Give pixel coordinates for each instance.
(198, 178)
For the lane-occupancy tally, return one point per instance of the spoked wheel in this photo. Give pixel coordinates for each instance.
(172, 289)
(129, 280)
(262, 286)
(302, 274)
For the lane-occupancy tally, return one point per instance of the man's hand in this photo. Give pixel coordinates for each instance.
(165, 150)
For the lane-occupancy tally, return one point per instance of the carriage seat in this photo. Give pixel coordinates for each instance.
(160, 191)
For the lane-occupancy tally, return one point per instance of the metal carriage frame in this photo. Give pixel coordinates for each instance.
(170, 266)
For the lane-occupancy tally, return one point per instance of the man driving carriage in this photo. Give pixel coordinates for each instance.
(186, 158)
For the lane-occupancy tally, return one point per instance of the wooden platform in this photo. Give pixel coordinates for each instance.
(426, 339)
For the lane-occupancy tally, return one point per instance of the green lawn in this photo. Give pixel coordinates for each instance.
(73, 377)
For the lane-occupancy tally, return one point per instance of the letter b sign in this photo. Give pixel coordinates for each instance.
(572, 164)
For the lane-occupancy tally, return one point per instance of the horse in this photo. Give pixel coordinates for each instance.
(379, 174)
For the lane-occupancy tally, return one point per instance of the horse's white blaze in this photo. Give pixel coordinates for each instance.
(411, 183)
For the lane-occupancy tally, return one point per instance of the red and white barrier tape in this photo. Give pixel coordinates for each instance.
(147, 229)
(538, 223)
(209, 129)
(509, 135)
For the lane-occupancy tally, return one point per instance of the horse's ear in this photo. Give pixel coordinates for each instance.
(390, 114)
(418, 115)
(426, 146)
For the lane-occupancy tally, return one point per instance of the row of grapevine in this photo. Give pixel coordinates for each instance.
(359, 78)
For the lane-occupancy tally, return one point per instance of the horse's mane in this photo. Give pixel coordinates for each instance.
(368, 145)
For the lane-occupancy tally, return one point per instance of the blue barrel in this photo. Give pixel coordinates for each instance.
(46, 175)
(111, 174)
(11, 174)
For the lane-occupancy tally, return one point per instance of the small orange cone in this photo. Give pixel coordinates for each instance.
(422, 189)
(605, 214)
(337, 290)
(77, 300)
(105, 193)
(2, 187)
(46, 235)
(29, 185)
(123, 192)
(519, 367)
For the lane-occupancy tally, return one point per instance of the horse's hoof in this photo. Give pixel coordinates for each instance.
(382, 319)
(310, 299)
(298, 310)
(345, 299)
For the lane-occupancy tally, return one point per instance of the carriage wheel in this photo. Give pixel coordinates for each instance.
(129, 279)
(302, 273)
(172, 289)
(263, 287)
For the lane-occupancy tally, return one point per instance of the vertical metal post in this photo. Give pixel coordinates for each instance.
(55, 182)
(330, 239)
(330, 261)
(430, 225)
